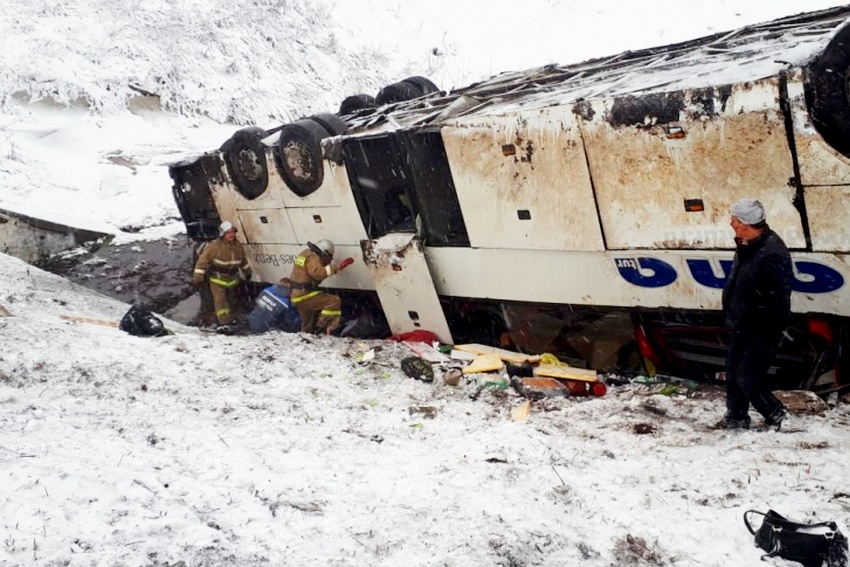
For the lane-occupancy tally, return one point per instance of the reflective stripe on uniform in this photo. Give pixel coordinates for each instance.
(197, 271)
(224, 283)
(221, 312)
(305, 296)
(300, 261)
(226, 263)
(331, 312)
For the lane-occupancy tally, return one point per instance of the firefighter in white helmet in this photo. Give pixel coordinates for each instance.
(224, 262)
(320, 311)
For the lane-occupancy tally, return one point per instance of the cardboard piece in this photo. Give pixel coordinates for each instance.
(484, 363)
(426, 351)
(566, 372)
(462, 355)
(599, 343)
(520, 413)
(801, 401)
(506, 355)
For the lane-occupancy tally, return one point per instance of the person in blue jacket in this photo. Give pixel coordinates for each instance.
(273, 310)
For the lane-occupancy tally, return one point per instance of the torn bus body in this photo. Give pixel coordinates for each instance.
(590, 190)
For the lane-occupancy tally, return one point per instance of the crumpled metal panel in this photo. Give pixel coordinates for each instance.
(397, 266)
(713, 146)
(522, 181)
(738, 56)
(828, 210)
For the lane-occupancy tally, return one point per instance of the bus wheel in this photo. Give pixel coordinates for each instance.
(245, 158)
(298, 155)
(356, 102)
(334, 125)
(826, 87)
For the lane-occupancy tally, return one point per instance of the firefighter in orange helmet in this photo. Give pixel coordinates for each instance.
(226, 264)
(320, 311)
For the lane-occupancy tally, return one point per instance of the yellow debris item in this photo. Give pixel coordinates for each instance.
(484, 363)
(547, 358)
(506, 355)
(567, 372)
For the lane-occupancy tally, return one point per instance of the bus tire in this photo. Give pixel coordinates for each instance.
(826, 91)
(424, 85)
(245, 159)
(334, 125)
(298, 155)
(397, 92)
(356, 102)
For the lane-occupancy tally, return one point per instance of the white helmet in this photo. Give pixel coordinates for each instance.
(225, 227)
(326, 246)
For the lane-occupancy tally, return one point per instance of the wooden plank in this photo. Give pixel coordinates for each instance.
(506, 355)
(89, 320)
(566, 372)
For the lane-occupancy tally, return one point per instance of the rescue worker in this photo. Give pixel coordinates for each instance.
(757, 306)
(224, 262)
(320, 311)
(272, 310)
(205, 316)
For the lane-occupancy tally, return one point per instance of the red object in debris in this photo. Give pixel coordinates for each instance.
(417, 336)
(821, 328)
(583, 388)
(598, 389)
(645, 347)
(577, 387)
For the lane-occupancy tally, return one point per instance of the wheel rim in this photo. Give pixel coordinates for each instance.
(298, 160)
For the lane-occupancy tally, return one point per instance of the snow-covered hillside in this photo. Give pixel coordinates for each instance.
(282, 449)
(206, 450)
(96, 97)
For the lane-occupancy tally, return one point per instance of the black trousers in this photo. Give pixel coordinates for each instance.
(747, 382)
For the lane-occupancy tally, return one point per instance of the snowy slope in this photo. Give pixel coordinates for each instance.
(200, 450)
(287, 450)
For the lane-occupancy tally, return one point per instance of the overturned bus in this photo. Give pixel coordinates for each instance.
(578, 209)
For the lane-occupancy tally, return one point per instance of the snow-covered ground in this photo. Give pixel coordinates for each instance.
(197, 449)
(285, 449)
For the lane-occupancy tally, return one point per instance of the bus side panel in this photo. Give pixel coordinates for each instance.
(667, 167)
(522, 181)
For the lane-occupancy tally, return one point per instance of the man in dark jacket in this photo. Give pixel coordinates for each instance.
(757, 306)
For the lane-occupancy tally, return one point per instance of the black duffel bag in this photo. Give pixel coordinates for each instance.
(818, 544)
(140, 322)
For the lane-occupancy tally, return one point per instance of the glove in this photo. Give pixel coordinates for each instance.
(197, 281)
(246, 274)
(345, 263)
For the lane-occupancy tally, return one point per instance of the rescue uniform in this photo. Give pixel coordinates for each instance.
(272, 311)
(320, 311)
(757, 305)
(223, 262)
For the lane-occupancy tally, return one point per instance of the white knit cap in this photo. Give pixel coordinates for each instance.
(748, 211)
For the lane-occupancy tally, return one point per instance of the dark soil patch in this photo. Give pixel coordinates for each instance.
(152, 273)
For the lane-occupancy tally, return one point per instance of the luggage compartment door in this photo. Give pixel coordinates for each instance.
(396, 263)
